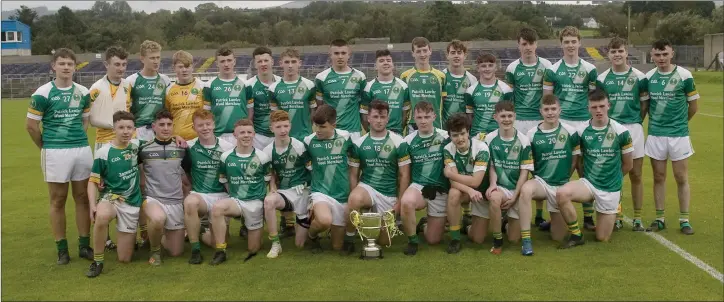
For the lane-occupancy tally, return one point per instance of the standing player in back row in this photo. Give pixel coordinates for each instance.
(627, 92)
(341, 87)
(673, 99)
(480, 98)
(525, 76)
(226, 97)
(457, 80)
(184, 96)
(294, 94)
(148, 89)
(424, 82)
(389, 89)
(570, 79)
(257, 88)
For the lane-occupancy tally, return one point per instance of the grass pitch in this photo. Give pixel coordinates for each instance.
(630, 267)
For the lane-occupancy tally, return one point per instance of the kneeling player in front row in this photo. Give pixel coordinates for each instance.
(290, 178)
(429, 187)
(245, 173)
(607, 150)
(329, 151)
(163, 209)
(203, 158)
(116, 166)
(382, 156)
(556, 151)
(466, 160)
(511, 159)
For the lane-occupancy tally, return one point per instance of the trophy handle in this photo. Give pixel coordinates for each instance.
(354, 218)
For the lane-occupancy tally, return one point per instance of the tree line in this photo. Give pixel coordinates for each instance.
(210, 26)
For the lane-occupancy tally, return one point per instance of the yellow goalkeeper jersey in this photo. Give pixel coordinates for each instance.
(182, 101)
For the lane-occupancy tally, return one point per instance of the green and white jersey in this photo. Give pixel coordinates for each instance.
(246, 174)
(343, 91)
(426, 86)
(455, 87)
(289, 164)
(257, 92)
(480, 101)
(118, 170)
(297, 99)
(602, 150)
(147, 96)
(426, 156)
(527, 84)
(509, 157)
(330, 159)
(475, 159)
(397, 96)
(379, 159)
(625, 91)
(553, 152)
(670, 95)
(204, 162)
(227, 100)
(571, 84)
(61, 111)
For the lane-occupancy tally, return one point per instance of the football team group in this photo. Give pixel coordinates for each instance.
(175, 161)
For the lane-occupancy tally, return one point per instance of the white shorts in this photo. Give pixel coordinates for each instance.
(174, 214)
(436, 207)
(575, 124)
(604, 202)
(673, 148)
(380, 203)
(210, 199)
(126, 216)
(261, 141)
(145, 133)
(229, 137)
(64, 165)
(253, 212)
(637, 136)
(299, 202)
(482, 208)
(525, 126)
(337, 208)
(552, 203)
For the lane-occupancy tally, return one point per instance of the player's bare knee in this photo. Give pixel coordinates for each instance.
(681, 177)
(407, 206)
(659, 176)
(269, 203)
(191, 204)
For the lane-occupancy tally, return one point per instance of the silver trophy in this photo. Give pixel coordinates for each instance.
(369, 226)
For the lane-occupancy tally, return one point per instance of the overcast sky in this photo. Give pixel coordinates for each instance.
(147, 6)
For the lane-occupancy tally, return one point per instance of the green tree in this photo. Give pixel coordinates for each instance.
(683, 28)
(25, 15)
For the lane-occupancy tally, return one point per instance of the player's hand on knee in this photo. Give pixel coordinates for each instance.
(490, 190)
(475, 195)
(507, 203)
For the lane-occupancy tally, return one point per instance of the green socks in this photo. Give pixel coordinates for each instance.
(587, 210)
(62, 244)
(413, 239)
(196, 246)
(539, 213)
(660, 215)
(455, 232)
(84, 241)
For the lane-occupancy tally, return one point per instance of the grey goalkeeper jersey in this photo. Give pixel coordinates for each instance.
(162, 170)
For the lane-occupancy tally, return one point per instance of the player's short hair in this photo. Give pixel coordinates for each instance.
(486, 58)
(457, 122)
(278, 116)
(324, 114)
(224, 51)
(661, 44)
(382, 53)
(163, 114)
(338, 43)
(183, 57)
(149, 46)
(549, 99)
(290, 53)
(457, 45)
(570, 31)
(379, 106)
(121, 115)
(244, 122)
(528, 34)
(424, 107)
(260, 51)
(420, 42)
(202, 114)
(616, 42)
(64, 53)
(115, 51)
(504, 106)
(597, 95)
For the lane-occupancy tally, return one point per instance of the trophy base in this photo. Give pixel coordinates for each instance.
(371, 254)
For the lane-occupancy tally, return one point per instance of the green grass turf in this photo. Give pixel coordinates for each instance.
(630, 267)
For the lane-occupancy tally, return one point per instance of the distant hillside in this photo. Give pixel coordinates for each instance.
(296, 4)
(42, 11)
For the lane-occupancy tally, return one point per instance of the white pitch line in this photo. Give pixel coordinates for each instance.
(712, 115)
(684, 254)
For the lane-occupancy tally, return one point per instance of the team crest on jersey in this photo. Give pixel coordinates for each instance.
(253, 165)
(466, 84)
(516, 148)
(630, 81)
(436, 141)
(673, 81)
(561, 137)
(97, 93)
(237, 87)
(291, 158)
(581, 73)
(496, 93)
(396, 89)
(387, 148)
(301, 89)
(159, 85)
(354, 79)
(338, 143)
(609, 136)
(539, 72)
(127, 156)
(194, 91)
(76, 97)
